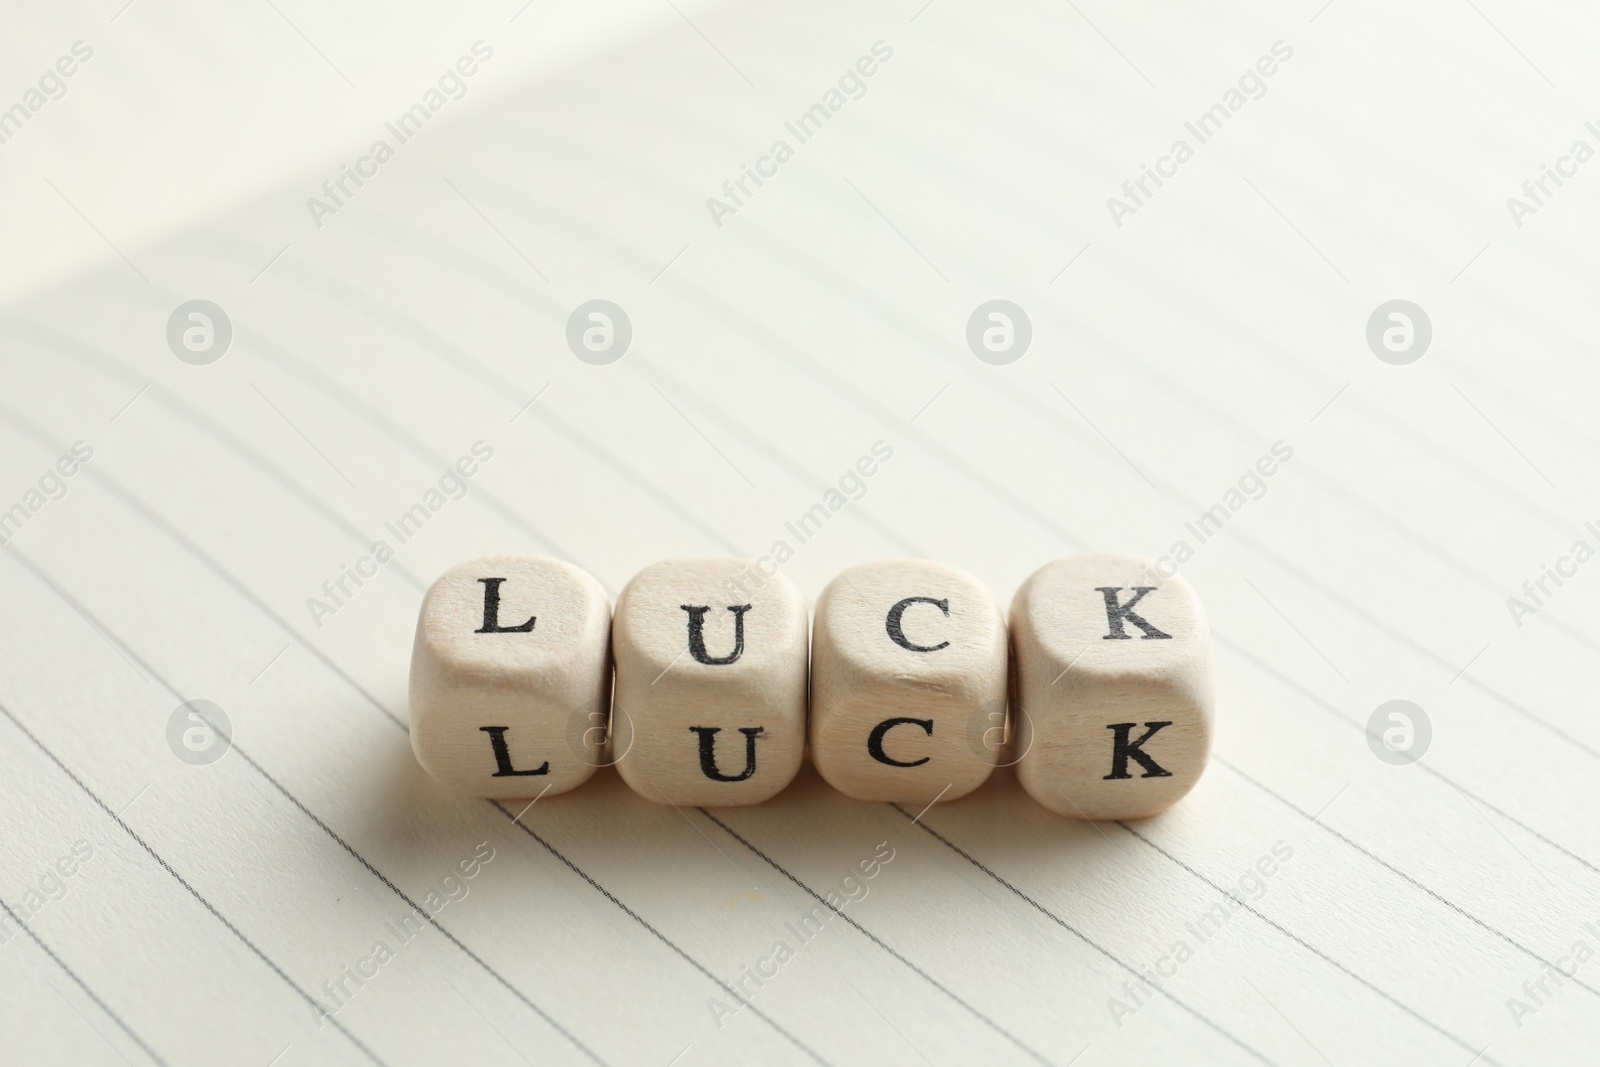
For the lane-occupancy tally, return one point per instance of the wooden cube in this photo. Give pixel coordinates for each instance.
(511, 677)
(908, 682)
(711, 682)
(1115, 708)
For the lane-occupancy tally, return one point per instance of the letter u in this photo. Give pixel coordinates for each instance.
(708, 752)
(697, 635)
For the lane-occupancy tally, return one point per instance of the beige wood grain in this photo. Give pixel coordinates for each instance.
(668, 701)
(1073, 684)
(941, 665)
(549, 687)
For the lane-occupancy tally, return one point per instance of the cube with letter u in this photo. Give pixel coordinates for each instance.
(710, 706)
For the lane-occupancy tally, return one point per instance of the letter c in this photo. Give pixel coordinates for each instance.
(1163, 171)
(363, 171)
(764, 172)
(1162, 970)
(898, 635)
(1565, 173)
(875, 740)
(1564, 572)
(366, 573)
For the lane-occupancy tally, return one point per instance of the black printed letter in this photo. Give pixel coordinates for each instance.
(875, 739)
(708, 753)
(1115, 613)
(502, 754)
(1121, 749)
(898, 635)
(491, 611)
(697, 637)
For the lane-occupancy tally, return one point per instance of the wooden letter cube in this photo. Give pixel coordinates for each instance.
(1113, 682)
(511, 677)
(711, 682)
(908, 682)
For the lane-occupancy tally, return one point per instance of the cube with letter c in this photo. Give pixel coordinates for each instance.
(908, 682)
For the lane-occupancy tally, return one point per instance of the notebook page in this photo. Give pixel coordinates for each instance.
(307, 895)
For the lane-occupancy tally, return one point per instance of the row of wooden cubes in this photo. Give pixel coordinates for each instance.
(1099, 689)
